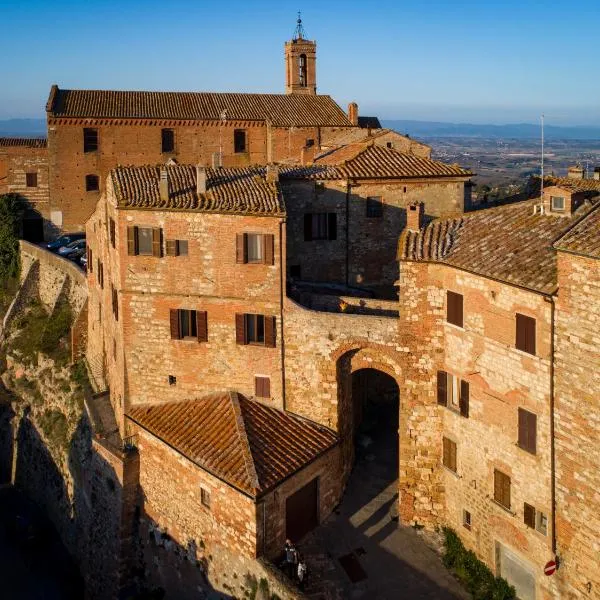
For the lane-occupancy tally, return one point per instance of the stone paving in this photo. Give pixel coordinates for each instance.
(395, 559)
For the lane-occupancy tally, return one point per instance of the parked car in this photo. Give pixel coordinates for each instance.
(83, 261)
(64, 240)
(69, 249)
(76, 256)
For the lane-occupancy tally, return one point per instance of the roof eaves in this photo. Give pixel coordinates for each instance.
(244, 442)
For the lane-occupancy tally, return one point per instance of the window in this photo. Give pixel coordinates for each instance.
(374, 207)
(92, 183)
(525, 336)
(205, 497)
(257, 248)
(529, 515)
(467, 520)
(453, 392)
(90, 139)
(390, 144)
(454, 308)
(541, 522)
(31, 179)
(320, 226)
(172, 380)
(535, 519)
(189, 324)
(90, 260)
(112, 232)
(145, 241)
(310, 143)
(502, 488)
(557, 203)
(115, 302)
(262, 387)
(255, 329)
(239, 140)
(177, 247)
(167, 140)
(449, 455)
(527, 430)
(302, 70)
(100, 273)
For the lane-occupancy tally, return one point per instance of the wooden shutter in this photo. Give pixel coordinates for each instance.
(101, 274)
(454, 308)
(506, 490)
(308, 227)
(241, 252)
(174, 319)
(240, 329)
(464, 398)
(525, 335)
(269, 249)
(527, 430)
(502, 488)
(442, 387)
(529, 515)
(262, 387)
(171, 247)
(497, 486)
(132, 241)
(202, 325)
(332, 226)
(270, 337)
(156, 242)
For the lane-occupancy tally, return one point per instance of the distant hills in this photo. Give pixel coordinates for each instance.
(424, 129)
(417, 129)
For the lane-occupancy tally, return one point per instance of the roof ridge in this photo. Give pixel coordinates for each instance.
(244, 441)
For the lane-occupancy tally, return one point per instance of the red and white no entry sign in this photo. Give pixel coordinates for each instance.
(550, 567)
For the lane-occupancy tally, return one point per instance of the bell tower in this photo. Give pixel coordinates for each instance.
(300, 63)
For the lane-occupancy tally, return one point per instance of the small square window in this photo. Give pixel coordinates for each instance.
(31, 179)
(205, 497)
(557, 203)
(541, 522)
(182, 247)
(467, 520)
(310, 143)
(390, 144)
(172, 380)
(92, 183)
(90, 139)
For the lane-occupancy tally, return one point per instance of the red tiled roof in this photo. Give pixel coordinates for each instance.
(371, 161)
(235, 190)
(584, 237)
(9, 142)
(251, 446)
(284, 110)
(573, 185)
(508, 243)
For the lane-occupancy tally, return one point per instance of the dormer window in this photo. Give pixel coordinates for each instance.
(557, 203)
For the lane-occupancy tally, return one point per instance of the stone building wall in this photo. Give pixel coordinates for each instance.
(501, 379)
(577, 406)
(15, 163)
(364, 251)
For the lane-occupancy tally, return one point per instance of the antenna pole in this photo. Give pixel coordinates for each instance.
(542, 179)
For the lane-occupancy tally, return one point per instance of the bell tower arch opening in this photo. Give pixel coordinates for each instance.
(301, 63)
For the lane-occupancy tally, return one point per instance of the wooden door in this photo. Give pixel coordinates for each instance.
(302, 511)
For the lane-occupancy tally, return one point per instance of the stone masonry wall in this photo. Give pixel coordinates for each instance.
(577, 406)
(501, 379)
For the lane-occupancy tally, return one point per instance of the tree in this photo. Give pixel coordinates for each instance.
(10, 219)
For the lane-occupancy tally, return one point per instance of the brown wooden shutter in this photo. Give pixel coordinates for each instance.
(506, 490)
(530, 335)
(521, 335)
(270, 337)
(269, 249)
(241, 248)
(454, 308)
(527, 430)
(442, 383)
(202, 325)
(497, 486)
(262, 387)
(332, 226)
(453, 456)
(240, 329)
(174, 319)
(529, 515)
(171, 247)
(532, 432)
(308, 227)
(132, 241)
(464, 398)
(522, 428)
(156, 242)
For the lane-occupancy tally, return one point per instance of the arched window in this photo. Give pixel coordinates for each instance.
(92, 183)
(302, 70)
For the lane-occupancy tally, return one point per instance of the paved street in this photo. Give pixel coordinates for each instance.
(387, 561)
(33, 563)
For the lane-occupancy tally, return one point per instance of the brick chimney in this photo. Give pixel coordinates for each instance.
(163, 184)
(576, 172)
(353, 113)
(597, 173)
(200, 179)
(217, 160)
(272, 173)
(414, 216)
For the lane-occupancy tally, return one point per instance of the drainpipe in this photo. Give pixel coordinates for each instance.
(552, 419)
(282, 291)
(347, 233)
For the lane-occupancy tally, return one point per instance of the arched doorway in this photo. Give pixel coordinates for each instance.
(376, 408)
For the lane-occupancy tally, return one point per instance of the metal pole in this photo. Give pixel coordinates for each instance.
(542, 179)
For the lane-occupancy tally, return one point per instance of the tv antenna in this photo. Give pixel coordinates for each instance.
(542, 170)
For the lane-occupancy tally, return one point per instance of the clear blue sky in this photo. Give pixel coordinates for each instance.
(493, 62)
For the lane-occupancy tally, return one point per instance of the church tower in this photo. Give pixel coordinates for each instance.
(300, 63)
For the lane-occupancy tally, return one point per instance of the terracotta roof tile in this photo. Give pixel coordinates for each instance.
(251, 446)
(575, 185)
(509, 243)
(281, 109)
(584, 237)
(231, 190)
(370, 161)
(9, 142)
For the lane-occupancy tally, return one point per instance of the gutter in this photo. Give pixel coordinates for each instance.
(552, 425)
(282, 291)
(348, 188)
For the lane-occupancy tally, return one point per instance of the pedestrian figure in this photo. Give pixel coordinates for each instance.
(290, 559)
(302, 572)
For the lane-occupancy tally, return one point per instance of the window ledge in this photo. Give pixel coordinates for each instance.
(455, 326)
(449, 470)
(504, 508)
(534, 454)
